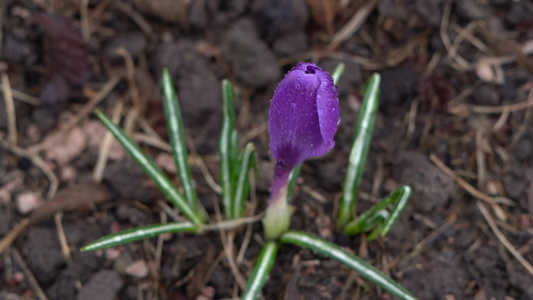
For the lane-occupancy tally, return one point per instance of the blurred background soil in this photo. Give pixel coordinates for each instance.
(455, 123)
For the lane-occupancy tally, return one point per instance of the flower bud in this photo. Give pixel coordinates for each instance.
(303, 119)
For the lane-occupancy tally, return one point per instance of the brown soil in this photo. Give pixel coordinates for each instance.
(455, 77)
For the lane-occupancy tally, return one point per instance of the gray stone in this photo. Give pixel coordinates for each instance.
(248, 57)
(103, 285)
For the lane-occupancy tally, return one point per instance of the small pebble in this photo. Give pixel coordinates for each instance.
(27, 202)
(138, 269)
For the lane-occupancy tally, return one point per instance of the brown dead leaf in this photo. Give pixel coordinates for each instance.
(78, 197)
(66, 57)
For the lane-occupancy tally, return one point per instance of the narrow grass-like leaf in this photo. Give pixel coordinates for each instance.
(241, 185)
(338, 73)
(152, 170)
(261, 270)
(139, 233)
(364, 269)
(177, 139)
(292, 179)
(226, 147)
(359, 153)
(375, 216)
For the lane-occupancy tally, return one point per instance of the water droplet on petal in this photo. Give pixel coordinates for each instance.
(339, 122)
(330, 104)
(321, 111)
(333, 109)
(293, 104)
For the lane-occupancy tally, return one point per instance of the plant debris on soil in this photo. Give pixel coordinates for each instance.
(455, 123)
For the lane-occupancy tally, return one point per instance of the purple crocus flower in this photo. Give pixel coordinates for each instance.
(303, 119)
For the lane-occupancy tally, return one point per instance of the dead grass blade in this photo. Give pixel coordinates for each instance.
(105, 147)
(10, 108)
(501, 237)
(353, 25)
(227, 244)
(37, 161)
(467, 186)
(29, 275)
(23, 97)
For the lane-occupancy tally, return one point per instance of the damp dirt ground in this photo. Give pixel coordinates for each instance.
(455, 123)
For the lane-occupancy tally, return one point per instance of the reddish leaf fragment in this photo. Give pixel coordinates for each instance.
(65, 56)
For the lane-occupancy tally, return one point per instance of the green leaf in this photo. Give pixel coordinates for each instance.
(152, 170)
(377, 217)
(292, 180)
(139, 233)
(359, 153)
(242, 185)
(177, 139)
(338, 73)
(261, 270)
(364, 269)
(227, 147)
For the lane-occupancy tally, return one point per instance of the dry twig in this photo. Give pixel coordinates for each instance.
(135, 17)
(84, 17)
(248, 233)
(130, 76)
(460, 63)
(227, 244)
(62, 237)
(29, 275)
(353, 25)
(315, 195)
(23, 97)
(105, 147)
(10, 109)
(465, 110)
(501, 237)
(468, 187)
(37, 161)
(420, 246)
(2, 10)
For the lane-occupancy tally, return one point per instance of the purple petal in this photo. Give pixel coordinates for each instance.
(303, 115)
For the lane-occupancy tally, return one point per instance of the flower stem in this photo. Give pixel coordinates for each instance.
(279, 181)
(278, 214)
